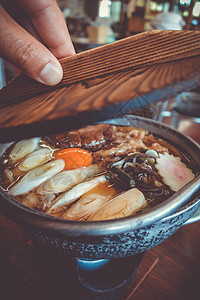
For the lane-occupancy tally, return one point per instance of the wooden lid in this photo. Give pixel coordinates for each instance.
(102, 83)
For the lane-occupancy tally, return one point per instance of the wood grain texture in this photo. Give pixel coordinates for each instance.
(137, 51)
(85, 102)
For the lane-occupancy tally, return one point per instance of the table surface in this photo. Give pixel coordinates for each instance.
(168, 271)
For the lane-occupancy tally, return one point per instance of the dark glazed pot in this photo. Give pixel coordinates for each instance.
(115, 238)
(124, 244)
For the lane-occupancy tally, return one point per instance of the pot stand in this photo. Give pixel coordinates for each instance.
(83, 279)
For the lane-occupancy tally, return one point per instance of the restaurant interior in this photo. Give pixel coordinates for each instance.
(94, 22)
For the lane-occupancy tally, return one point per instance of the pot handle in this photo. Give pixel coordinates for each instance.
(194, 218)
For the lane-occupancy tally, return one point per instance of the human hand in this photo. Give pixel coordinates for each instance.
(35, 46)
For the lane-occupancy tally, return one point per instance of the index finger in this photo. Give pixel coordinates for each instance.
(50, 24)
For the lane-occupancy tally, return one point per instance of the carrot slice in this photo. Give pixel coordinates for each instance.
(74, 157)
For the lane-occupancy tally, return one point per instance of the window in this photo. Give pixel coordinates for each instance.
(104, 8)
(196, 9)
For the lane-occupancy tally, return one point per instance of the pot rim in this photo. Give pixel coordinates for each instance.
(43, 222)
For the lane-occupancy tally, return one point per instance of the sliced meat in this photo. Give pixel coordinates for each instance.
(94, 137)
(73, 139)
(56, 141)
(70, 139)
(138, 134)
(109, 131)
(159, 148)
(91, 138)
(119, 150)
(149, 140)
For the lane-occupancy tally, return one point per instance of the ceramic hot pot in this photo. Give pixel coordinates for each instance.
(115, 238)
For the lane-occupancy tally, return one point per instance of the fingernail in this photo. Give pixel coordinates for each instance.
(51, 74)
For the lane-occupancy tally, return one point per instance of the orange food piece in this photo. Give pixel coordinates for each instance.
(74, 157)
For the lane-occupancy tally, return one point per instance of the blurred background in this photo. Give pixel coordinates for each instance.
(92, 23)
(95, 22)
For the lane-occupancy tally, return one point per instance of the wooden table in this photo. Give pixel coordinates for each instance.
(168, 271)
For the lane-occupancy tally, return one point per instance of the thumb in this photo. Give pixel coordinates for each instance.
(26, 53)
